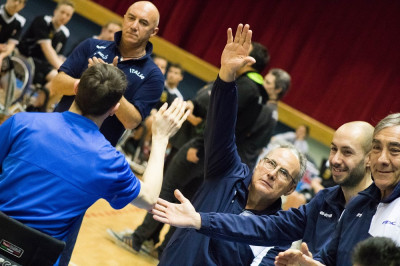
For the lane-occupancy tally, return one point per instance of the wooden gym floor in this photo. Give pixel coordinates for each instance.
(94, 247)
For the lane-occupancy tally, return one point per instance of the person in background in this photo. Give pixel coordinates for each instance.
(11, 24)
(44, 41)
(376, 251)
(108, 31)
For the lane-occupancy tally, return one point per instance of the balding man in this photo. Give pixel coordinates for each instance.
(131, 52)
(313, 222)
(374, 212)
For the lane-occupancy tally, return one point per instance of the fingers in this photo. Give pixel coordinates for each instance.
(179, 196)
(230, 36)
(238, 33)
(305, 250)
(115, 61)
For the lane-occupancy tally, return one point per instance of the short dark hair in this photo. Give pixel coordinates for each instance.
(176, 65)
(376, 251)
(261, 55)
(100, 88)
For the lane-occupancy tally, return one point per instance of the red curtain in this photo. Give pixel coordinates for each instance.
(343, 55)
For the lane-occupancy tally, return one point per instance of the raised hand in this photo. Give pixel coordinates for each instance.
(178, 215)
(168, 121)
(236, 52)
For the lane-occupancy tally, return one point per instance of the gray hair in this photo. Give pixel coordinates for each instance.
(300, 156)
(391, 120)
(282, 80)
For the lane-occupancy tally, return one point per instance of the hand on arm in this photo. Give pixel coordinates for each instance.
(178, 215)
(236, 53)
(302, 257)
(166, 124)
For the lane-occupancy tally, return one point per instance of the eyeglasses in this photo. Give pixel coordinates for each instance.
(282, 173)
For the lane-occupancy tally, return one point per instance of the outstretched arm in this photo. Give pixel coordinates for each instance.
(166, 124)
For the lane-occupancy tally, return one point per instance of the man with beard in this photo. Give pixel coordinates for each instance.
(313, 222)
(374, 212)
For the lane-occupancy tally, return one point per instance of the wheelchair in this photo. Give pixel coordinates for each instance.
(17, 82)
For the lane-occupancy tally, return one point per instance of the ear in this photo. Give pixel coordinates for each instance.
(155, 31)
(114, 109)
(292, 188)
(76, 86)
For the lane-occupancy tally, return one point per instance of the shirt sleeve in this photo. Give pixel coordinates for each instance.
(39, 27)
(263, 230)
(5, 139)
(77, 61)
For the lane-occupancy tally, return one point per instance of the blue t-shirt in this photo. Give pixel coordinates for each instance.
(145, 80)
(56, 165)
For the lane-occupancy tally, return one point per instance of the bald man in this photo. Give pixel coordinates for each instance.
(313, 222)
(131, 52)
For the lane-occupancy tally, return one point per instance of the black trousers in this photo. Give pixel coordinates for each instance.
(180, 174)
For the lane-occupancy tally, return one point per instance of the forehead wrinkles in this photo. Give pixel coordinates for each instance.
(285, 158)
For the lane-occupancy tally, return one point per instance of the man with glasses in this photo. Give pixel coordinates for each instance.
(313, 222)
(229, 185)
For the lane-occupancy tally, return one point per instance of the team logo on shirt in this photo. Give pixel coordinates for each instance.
(100, 47)
(136, 72)
(103, 56)
(327, 215)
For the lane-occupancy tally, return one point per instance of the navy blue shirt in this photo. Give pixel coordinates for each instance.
(355, 225)
(313, 223)
(225, 189)
(145, 80)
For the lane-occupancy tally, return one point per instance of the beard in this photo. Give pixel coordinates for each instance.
(355, 176)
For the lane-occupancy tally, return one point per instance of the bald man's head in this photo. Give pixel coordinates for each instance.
(358, 132)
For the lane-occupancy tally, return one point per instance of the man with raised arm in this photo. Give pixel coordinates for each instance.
(229, 186)
(314, 222)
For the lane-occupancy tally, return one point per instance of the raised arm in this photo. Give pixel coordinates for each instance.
(166, 124)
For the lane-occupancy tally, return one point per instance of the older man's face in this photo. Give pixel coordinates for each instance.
(385, 159)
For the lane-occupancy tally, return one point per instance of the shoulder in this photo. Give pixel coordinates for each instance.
(21, 20)
(65, 31)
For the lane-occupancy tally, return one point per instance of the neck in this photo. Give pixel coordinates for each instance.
(128, 52)
(350, 192)
(98, 120)
(257, 202)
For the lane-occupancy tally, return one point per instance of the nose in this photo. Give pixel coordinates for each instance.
(335, 159)
(383, 157)
(134, 24)
(273, 174)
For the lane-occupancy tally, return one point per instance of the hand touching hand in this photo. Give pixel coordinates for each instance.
(178, 215)
(95, 60)
(236, 53)
(168, 121)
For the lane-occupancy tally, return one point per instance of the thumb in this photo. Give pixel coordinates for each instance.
(179, 196)
(249, 60)
(304, 249)
(115, 61)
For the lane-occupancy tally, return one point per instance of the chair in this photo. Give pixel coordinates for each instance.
(23, 245)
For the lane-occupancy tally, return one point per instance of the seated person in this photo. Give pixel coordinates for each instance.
(44, 41)
(108, 31)
(11, 24)
(376, 251)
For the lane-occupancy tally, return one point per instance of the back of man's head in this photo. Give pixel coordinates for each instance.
(100, 88)
(260, 53)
